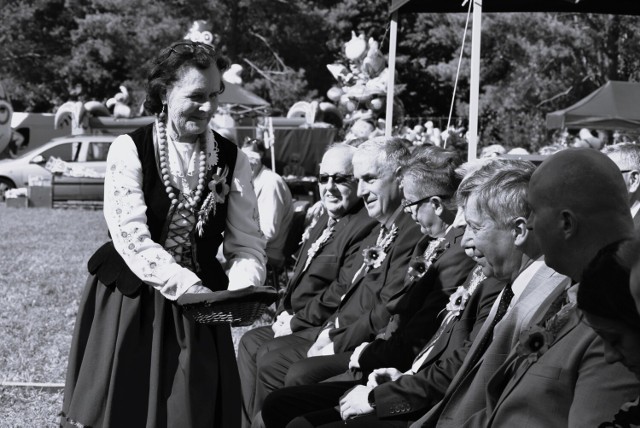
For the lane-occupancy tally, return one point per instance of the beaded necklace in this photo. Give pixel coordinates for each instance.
(190, 201)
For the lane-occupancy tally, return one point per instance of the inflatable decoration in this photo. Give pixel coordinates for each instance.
(232, 75)
(120, 104)
(6, 111)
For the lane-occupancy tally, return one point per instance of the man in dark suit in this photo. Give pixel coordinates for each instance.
(356, 300)
(389, 356)
(557, 376)
(439, 265)
(627, 157)
(331, 245)
(494, 201)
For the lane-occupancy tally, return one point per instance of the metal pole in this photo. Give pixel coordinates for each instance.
(474, 93)
(393, 36)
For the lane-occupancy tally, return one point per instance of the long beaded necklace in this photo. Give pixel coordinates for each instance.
(190, 201)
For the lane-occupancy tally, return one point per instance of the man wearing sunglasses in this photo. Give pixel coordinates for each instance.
(331, 246)
(353, 309)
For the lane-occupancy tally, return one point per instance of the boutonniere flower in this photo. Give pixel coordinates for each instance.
(417, 268)
(534, 342)
(219, 189)
(373, 257)
(419, 265)
(457, 301)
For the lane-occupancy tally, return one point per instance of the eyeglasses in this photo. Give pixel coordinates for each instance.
(337, 178)
(408, 204)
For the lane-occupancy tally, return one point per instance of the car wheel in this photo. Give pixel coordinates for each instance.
(5, 184)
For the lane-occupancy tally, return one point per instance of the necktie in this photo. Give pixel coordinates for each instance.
(318, 243)
(476, 278)
(503, 305)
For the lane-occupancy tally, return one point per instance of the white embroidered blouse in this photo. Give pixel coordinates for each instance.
(124, 211)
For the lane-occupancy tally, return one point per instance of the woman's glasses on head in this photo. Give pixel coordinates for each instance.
(190, 47)
(337, 178)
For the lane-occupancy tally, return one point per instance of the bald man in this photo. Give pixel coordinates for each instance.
(557, 376)
(627, 157)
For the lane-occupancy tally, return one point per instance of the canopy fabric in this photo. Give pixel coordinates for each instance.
(625, 7)
(236, 94)
(613, 106)
(238, 101)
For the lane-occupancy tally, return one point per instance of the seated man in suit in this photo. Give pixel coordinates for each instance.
(428, 185)
(579, 205)
(494, 202)
(332, 245)
(352, 309)
(627, 158)
(465, 313)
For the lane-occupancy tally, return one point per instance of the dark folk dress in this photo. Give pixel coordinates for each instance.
(136, 360)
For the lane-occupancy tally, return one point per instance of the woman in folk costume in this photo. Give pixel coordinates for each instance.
(173, 190)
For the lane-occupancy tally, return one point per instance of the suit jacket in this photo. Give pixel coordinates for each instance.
(337, 252)
(466, 393)
(411, 395)
(310, 319)
(362, 311)
(573, 384)
(419, 307)
(636, 221)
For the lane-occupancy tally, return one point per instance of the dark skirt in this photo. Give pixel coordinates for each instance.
(139, 362)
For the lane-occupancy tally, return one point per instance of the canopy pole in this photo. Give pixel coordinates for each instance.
(393, 37)
(474, 93)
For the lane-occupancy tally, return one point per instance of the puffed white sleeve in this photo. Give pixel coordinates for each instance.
(125, 213)
(244, 243)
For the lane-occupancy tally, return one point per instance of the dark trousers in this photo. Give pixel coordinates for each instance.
(315, 406)
(262, 368)
(316, 369)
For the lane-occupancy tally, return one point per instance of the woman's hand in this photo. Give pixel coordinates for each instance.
(197, 289)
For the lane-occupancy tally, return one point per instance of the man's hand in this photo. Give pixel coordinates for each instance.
(322, 346)
(355, 402)
(282, 324)
(380, 376)
(354, 361)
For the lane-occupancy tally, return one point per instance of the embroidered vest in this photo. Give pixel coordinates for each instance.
(109, 266)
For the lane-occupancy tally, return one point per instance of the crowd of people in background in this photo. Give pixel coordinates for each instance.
(426, 292)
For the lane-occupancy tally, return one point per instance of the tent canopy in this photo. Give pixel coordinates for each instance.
(626, 7)
(239, 101)
(613, 106)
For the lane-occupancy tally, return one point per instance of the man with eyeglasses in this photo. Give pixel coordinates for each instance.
(627, 157)
(353, 309)
(331, 246)
(494, 203)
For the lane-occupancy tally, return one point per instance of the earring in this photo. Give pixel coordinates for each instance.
(162, 115)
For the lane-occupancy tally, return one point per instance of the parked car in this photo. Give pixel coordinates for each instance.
(84, 151)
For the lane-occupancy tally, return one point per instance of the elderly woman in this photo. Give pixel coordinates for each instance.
(605, 299)
(173, 190)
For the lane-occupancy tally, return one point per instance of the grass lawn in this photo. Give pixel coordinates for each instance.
(42, 275)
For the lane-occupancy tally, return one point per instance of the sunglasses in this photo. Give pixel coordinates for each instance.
(337, 178)
(190, 47)
(408, 204)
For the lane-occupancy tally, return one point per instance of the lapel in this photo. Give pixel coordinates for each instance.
(571, 323)
(507, 330)
(370, 241)
(313, 236)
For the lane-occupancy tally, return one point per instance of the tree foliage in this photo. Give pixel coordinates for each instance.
(58, 50)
